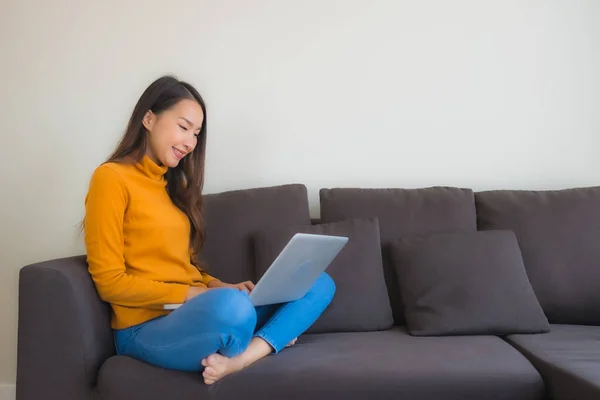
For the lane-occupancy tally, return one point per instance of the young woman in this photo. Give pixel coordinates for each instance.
(143, 229)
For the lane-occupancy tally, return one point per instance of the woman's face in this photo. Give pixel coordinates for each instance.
(173, 133)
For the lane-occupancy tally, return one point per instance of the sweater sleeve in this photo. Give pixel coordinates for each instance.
(105, 206)
(205, 277)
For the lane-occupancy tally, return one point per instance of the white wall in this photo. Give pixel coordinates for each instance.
(483, 94)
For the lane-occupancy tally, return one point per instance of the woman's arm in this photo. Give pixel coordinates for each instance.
(206, 278)
(105, 206)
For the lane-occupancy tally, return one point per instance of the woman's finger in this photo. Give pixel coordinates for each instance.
(245, 286)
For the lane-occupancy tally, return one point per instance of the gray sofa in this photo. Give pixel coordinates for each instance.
(367, 345)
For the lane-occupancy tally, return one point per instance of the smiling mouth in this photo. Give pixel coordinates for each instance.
(178, 153)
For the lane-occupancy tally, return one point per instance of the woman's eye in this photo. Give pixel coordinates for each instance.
(183, 127)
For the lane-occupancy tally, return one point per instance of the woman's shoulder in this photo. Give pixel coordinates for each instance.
(107, 181)
(110, 173)
(115, 167)
(108, 170)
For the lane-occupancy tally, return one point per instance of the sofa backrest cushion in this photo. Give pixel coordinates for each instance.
(232, 218)
(360, 302)
(559, 236)
(401, 213)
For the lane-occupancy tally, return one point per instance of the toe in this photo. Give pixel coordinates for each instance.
(209, 381)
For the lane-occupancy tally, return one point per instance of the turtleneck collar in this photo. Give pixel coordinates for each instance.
(152, 170)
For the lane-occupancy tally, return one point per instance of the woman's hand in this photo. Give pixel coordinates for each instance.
(246, 286)
(194, 291)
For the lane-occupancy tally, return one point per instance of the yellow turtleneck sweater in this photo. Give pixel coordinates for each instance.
(137, 242)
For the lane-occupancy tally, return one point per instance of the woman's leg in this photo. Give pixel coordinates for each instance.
(290, 320)
(277, 326)
(218, 321)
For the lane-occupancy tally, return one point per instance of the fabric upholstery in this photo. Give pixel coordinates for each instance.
(64, 331)
(388, 365)
(384, 365)
(124, 378)
(466, 283)
(568, 358)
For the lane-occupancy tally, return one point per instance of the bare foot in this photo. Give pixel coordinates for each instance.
(293, 342)
(217, 366)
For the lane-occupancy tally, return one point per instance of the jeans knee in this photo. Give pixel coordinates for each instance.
(229, 308)
(236, 309)
(324, 288)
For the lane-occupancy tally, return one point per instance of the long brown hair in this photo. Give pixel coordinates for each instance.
(184, 182)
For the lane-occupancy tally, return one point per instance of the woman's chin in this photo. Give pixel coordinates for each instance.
(172, 162)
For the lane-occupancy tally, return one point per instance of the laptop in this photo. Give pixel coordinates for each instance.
(297, 267)
(295, 270)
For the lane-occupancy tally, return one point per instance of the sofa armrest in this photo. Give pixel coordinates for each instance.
(64, 331)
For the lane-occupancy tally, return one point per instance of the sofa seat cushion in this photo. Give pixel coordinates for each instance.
(387, 365)
(360, 365)
(124, 378)
(352, 365)
(568, 358)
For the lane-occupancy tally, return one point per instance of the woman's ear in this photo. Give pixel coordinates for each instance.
(149, 120)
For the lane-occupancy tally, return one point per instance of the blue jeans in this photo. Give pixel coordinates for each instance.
(221, 320)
